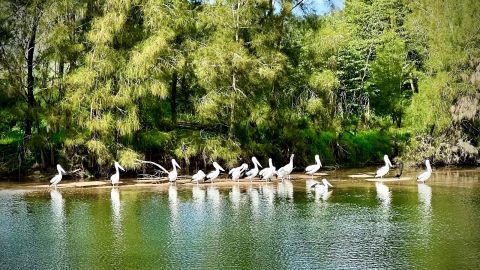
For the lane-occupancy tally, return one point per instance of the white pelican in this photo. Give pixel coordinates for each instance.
(312, 169)
(253, 172)
(214, 174)
(172, 176)
(319, 187)
(384, 170)
(268, 173)
(115, 178)
(58, 177)
(236, 172)
(199, 176)
(425, 175)
(287, 169)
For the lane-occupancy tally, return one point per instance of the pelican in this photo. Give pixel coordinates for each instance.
(236, 172)
(319, 187)
(58, 177)
(172, 176)
(253, 172)
(268, 173)
(425, 175)
(199, 176)
(312, 169)
(214, 174)
(287, 169)
(116, 177)
(384, 170)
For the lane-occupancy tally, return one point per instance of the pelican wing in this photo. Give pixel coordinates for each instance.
(424, 176)
(284, 170)
(382, 171)
(56, 179)
(309, 168)
(211, 174)
(263, 171)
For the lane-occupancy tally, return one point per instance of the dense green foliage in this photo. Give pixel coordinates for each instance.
(87, 82)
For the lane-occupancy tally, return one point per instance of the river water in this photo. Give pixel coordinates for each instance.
(358, 224)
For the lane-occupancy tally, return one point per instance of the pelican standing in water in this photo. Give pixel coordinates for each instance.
(172, 176)
(426, 174)
(287, 169)
(312, 169)
(319, 187)
(384, 170)
(214, 174)
(253, 172)
(58, 177)
(115, 178)
(199, 176)
(237, 172)
(268, 173)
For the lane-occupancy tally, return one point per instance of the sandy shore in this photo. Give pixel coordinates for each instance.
(146, 183)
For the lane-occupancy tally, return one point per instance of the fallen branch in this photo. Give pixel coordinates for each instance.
(153, 163)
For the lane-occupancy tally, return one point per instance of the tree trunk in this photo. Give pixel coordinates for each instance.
(30, 81)
(173, 100)
(61, 68)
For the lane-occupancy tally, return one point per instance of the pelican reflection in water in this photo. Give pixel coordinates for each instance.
(285, 189)
(268, 193)
(57, 206)
(235, 196)
(173, 202)
(59, 228)
(198, 194)
(323, 196)
(254, 199)
(213, 197)
(383, 194)
(116, 211)
(425, 209)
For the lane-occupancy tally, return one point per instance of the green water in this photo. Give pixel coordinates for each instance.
(263, 226)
